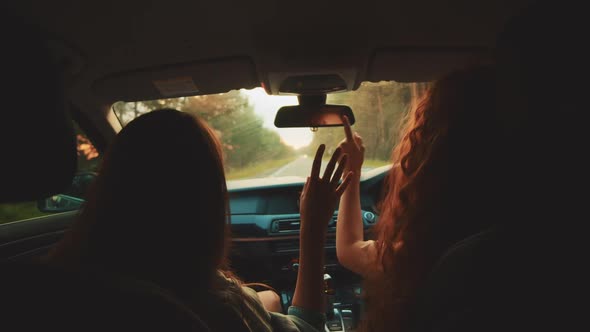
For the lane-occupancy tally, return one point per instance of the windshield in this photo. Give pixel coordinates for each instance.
(254, 148)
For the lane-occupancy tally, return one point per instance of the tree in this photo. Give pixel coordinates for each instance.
(379, 110)
(244, 139)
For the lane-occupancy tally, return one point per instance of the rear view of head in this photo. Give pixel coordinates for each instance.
(444, 150)
(436, 190)
(158, 210)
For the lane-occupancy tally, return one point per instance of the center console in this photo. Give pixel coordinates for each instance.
(342, 293)
(274, 260)
(341, 312)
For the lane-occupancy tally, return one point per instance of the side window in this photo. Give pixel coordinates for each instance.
(88, 162)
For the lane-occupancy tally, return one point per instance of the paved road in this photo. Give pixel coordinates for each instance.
(300, 167)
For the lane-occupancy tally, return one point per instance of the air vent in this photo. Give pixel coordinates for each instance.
(285, 225)
(293, 225)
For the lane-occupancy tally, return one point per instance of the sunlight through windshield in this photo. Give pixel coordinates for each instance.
(254, 148)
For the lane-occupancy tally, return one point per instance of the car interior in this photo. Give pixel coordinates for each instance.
(112, 55)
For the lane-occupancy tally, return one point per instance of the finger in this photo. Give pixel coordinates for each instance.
(347, 130)
(317, 162)
(330, 168)
(340, 190)
(339, 170)
(305, 185)
(358, 139)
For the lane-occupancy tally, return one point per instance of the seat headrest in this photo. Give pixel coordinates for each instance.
(37, 140)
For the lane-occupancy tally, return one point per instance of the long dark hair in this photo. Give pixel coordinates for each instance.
(435, 190)
(158, 210)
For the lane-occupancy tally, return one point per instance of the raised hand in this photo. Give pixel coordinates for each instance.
(352, 145)
(318, 201)
(320, 195)
(352, 251)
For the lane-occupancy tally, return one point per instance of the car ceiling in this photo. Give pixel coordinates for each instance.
(104, 42)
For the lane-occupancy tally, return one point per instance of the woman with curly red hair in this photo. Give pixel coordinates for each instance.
(437, 193)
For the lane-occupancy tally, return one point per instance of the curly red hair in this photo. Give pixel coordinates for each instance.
(445, 139)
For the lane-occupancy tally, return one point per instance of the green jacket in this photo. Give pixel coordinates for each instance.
(246, 304)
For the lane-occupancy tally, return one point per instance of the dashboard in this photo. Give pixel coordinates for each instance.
(269, 207)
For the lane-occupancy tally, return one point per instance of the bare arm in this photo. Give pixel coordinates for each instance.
(318, 202)
(353, 252)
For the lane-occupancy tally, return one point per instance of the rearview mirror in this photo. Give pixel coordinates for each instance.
(313, 112)
(72, 198)
(326, 116)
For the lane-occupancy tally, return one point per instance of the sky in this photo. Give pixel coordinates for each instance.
(267, 107)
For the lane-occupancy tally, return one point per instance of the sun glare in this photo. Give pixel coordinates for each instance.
(267, 107)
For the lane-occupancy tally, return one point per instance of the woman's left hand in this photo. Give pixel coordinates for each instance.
(320, 195)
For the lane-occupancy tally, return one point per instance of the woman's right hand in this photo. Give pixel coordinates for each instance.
(321, 195)
(352, 146)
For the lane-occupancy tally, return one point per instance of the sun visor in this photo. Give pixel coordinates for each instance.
(422, 65)
(188, 79)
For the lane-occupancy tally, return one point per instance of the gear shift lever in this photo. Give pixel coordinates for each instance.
(333, 317)
(329, 291)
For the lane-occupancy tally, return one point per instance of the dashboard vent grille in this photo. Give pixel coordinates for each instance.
(293, 225)
(287, 225)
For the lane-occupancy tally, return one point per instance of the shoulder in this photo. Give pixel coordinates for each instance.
(243, 302)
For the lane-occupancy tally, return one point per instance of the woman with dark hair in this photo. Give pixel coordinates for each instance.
(158, 212)
(437, 193)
